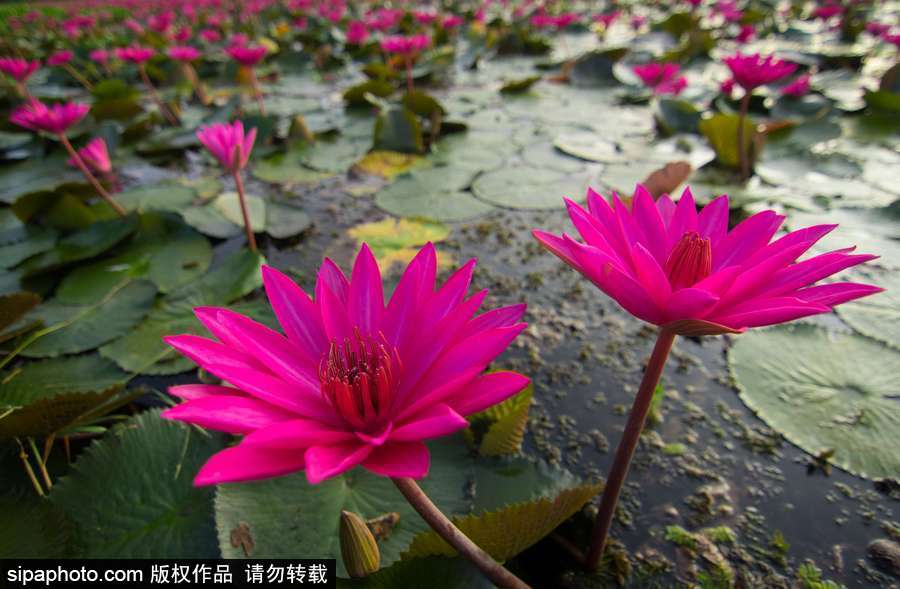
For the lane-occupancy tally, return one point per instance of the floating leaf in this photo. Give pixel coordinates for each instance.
(35, 174)
(115, 99)
(167, 196)
(13, 307)
(528, 188)
(398, 240)
(285, 220)
(289, 168)
(722, 132)
(149, 463)
(287, 516)
(228, 204)
(26, 242)
(677, 116)
(509, 530)
(33, 528)
(504, 425)
(520, 85)
(48, 395)
(397, 129)
(356, 95)
(143, 350)
(83, 245)
(877, 316)
(433, 193)
(388, 164)
(825, 391)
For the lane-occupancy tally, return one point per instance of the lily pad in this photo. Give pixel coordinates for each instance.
(527, 188)
(35, 174)
(157, 197)
(433, 193)
(285, 220)
(398, 240)
(83, 245)
(825, 391)
(228, 204)
(150, 462)
(877, 316)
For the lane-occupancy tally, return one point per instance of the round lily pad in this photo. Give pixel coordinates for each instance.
(825, 392)
(528, 188)
(433, 193)
(877, 316)
(229, 205)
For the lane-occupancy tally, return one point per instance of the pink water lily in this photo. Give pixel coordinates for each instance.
(354, 380)
(667, 264)
(184, 53)
(752, 71)
(247, 55)
(135, 54)
(96, 155)
(662, 78)
(60, 58)
(18, 69)
(56, 118)
(403, 45)
(797, 88)
(228, 143)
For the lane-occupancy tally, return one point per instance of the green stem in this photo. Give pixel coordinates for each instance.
(743, 156)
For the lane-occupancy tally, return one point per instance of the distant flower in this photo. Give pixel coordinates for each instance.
(134, 26)
(238, 39)
(210, 35)
(892, 38)
(797, 88)
(877, 29)
(354, 380)
(662, 78)
(95, 155)
(56, 118)
(638, 21)
(184, 53)
(752, 71)
(100, 56)
(405, 45)
(301, 23)
(746, 34)
(827, 11)
(247, 55)
(665, 263)
(17, 68)
(228, 143)
(357, 33)
(135, 54)
(60, 58)
(425, 17)
(727, 87)
(607, 19)
(452, 21)
(183, 34)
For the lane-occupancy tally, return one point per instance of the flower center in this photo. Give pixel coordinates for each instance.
(359, 378)
(690, 261)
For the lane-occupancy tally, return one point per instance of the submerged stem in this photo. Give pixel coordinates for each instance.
(455, 538)
(257, 91)
(156, 98)
(76, 158)
(627, 446)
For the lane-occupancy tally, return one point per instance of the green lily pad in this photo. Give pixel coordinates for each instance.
(143, 351)
(83, 245)
(595, 69)
(31, 241)
(150, 463)
(398, 240)
(34, 529)
(45, 396)
(285, 220)
(35, 174)
(397, 129)
(228, 204)
(528, 188)
(289, 168)
(590, 146)
(722, 132)
(543, 155)
(433, 193)
(519, 85)
(825, 391)
(70, 329)
(677, 116)
(288, 516)
(157, 197)
(877, 316)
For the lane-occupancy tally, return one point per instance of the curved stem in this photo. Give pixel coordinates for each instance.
(251, 239)
(78, 77)
(90, 177)
(191, 74)
(455, 538)
(409, 73)
(155, 96)
(627, 446)
(743, 156)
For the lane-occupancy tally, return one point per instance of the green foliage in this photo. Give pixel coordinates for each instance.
(155, 511)
(681, 537)
(722, 132)
(398, 129)
(501, 428)
(520, 85)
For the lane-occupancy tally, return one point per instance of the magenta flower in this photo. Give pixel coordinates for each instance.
(797, 88)
(184, 53)
(727, 87)
(134, 26)
(425, 17)
(357, 33)
(746, 34)
(354, 380)
(228, 143)
(210, 35)
(828, 11)
(662, 78)
(452, 21)
(247, 55)
(607, 19)
(60, 58)
(666, 264)
(752, 71)
(100, 56)
(18, 69)
(135, 54)
(892, 38)
(877, 29)
(56, 119)
(95, 155)
(403, 45)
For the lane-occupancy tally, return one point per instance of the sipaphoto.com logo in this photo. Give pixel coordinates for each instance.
(24, 576)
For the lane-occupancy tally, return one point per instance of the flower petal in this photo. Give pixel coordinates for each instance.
(433, 422)
(324, 462)
(365, 303)
(247, 463)
(487, 391)
(235, 414)
(399, 459)
(298, 315)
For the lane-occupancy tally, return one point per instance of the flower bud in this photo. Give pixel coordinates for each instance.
(358, 547)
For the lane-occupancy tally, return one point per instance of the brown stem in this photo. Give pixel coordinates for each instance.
(257, 91)
(28, 470)
(78, 77)
(455, 538)
(251, 239)
(743, 156)
(90, 177)
(191, 74)
(155, 96)
(41, 465)
(627, 446)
